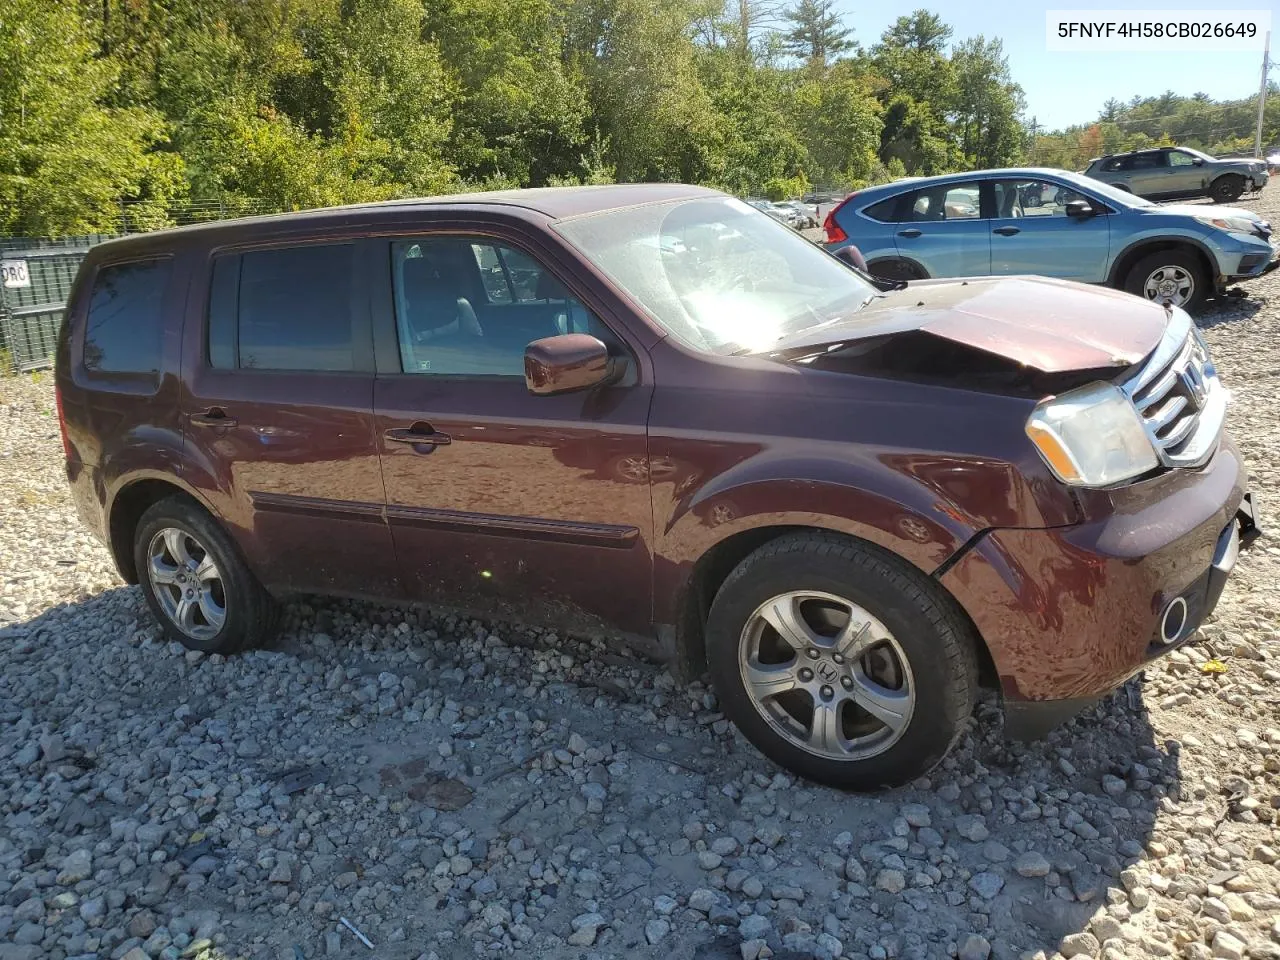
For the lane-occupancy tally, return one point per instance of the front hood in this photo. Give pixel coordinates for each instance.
(1053, 326)
(1204, 210)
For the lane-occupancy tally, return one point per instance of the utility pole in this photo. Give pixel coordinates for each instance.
(1262, 95)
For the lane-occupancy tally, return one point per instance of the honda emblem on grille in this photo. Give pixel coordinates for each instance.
(1193, 382)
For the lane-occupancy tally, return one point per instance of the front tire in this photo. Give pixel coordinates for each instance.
(1176, 276)
(196, 583)
(1228, 188)
(841, 662)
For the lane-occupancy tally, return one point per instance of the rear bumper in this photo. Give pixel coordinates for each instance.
(1069, 614)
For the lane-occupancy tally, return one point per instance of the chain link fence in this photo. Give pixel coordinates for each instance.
(36, 280)
(36, 275)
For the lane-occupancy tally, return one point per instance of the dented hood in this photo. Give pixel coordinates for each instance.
(1053, 326)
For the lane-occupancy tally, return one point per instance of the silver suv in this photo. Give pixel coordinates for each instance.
(1176, 172)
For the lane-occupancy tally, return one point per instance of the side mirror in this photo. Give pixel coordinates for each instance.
(1079, 209)
(1197, 161)
(564, 363)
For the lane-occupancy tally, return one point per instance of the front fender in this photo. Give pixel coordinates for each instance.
(907, 503)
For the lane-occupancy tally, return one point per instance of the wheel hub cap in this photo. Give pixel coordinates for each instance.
(826, 675)
(187, 583)
(1170, 285)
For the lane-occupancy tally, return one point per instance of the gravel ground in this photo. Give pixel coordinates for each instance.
(460, 788)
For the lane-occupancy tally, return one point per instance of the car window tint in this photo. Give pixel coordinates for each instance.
(451, 322)
(1114, 164)
(957, 201)
(886, 211)
(286, 309)
(1033, 198)
(1145, 161)
(123, 331)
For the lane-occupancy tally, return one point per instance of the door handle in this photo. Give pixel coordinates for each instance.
(420, 434)
(1007, 231)
(911, 232)
(213, 417)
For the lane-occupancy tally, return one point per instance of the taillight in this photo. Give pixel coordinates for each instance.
(835, 233)
(62, 423)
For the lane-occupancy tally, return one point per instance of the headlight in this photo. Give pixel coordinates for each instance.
(1232, 224)
(1091, 437)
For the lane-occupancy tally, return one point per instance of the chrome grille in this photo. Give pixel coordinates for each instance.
(1179, 397)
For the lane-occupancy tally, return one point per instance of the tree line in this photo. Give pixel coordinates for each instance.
(146, 105)
(1221, 128)
(149, 107)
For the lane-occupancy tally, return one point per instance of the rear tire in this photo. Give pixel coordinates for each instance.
(196, 583)
(886, 662)
(1176, 275)
(1228, 188)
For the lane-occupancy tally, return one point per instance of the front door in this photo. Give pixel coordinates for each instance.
(279, 407)
(1032, 234)
(500, 501)
(944, 231)
(1185, 173)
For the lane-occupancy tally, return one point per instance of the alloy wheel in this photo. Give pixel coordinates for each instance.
(187, 583)
(826, 675)
(1170, 284)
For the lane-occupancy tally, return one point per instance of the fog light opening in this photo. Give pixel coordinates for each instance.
(1174, 620)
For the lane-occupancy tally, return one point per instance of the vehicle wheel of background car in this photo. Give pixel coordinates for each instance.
(895, 270)
(1175, 276)
(840, 662)
(1227, 188)
(196, 584)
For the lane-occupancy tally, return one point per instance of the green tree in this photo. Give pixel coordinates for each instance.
(67, 159)
(817, 33)
(987, 104)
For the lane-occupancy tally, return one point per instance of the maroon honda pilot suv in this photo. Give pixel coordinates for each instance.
(655, 413)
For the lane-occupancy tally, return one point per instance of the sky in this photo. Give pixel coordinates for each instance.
(1064, 88)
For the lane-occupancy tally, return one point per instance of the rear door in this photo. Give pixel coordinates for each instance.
(278, 406)
(1032, 234)
(942, 228)
(1146, 173)
(501, 501)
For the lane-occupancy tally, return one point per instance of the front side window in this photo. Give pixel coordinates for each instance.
(1179, 159)
(717, 274)
(946, 202)
(124, 328)
(283, 309)
(1032, 198)
(469, 307)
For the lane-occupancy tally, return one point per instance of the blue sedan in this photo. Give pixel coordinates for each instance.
(1054, 224)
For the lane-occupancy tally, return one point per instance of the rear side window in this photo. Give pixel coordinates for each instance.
(124, 328)
(886, 211)
(286, 309)
(946, 202)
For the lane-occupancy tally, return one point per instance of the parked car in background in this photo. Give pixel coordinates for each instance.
(1273, 162)
(804, 216)
(684, 428)
(779, 212)
(1055, 224)
(1171, 173)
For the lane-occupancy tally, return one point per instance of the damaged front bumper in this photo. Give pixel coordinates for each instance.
(1070, 613)
(1032, 719)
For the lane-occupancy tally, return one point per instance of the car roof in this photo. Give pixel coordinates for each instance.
(554, 203)
(915, 183)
